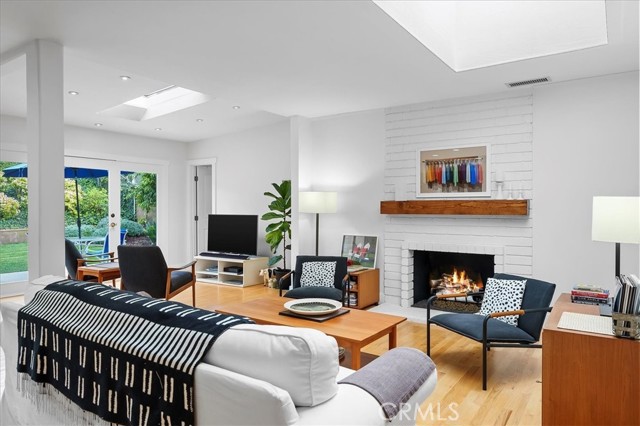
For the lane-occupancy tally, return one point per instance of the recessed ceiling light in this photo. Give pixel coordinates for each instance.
(236, 107)
(435, 155)
(125, 78)
(73, 93)
(97, 124)
(199, 120)
(158, 129)
(456, 149)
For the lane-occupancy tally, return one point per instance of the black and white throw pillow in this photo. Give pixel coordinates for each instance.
(501, 296)
(316, 274)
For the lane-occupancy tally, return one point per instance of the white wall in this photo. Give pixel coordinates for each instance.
(110, 145)
(503, 122)
(246, 165)
(347, 157)
(586, 144)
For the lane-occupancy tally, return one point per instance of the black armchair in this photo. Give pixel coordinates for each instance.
(491, 332)
(145, 269)
(73, 259)
(313, 278)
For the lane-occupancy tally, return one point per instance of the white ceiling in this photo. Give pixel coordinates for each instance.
(275, 59)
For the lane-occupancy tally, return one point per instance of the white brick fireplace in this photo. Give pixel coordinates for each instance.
(503, 121)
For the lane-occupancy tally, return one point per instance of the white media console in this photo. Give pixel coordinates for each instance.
(212, 270)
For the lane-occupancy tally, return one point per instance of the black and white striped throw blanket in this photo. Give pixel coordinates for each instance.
(128, 359)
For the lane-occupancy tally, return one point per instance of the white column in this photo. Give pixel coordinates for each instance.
(45, 158)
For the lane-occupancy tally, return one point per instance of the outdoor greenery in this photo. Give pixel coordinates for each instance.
(137, 203)
(14, 257)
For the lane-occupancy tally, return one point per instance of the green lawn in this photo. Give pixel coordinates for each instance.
(13, 258)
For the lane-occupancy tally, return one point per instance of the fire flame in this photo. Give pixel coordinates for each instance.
(459, 281)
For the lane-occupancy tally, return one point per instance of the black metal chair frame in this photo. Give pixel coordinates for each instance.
(486, 343)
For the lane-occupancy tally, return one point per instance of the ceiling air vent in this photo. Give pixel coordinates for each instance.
(528, 82)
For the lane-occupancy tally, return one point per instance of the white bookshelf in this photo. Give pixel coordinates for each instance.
(212, 270)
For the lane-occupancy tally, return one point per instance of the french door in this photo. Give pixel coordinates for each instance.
(135, 209)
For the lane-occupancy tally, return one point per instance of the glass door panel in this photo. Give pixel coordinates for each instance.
(138, 208)
(13, 224)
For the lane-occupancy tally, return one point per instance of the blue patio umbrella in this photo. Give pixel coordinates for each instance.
(20, 171)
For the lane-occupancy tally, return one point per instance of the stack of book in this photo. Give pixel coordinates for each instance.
(590, 295)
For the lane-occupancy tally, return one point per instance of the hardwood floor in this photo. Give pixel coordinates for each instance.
(514, 394)
(514, 391)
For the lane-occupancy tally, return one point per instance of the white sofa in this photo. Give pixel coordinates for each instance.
(254, 375)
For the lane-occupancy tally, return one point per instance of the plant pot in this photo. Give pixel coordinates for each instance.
(279, 273)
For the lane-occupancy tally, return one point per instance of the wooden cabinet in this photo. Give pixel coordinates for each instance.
(588, 379)
(237, 272)
(364, 288)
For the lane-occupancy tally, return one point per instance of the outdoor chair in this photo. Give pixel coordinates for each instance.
(73, 260)
(144, 269)
(105, 244)
(317, 276)
(490, 331)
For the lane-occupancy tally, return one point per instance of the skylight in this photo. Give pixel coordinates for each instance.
(475, 34)
(155, 104)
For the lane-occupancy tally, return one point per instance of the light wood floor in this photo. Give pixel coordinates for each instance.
(514, 386)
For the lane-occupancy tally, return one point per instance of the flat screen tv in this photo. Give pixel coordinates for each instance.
(233, 233)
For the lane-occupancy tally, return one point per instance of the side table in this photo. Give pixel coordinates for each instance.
(103, 271)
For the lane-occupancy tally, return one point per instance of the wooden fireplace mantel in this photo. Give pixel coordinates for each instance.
(457, 207)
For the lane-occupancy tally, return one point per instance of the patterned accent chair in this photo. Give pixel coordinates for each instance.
(317, 276)
(489, 331)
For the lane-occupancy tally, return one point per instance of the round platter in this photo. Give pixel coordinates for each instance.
(313, 306)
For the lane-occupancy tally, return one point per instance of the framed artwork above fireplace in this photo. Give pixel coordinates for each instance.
(453, 172)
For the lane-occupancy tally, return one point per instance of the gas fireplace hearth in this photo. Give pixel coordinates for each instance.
(443, 272)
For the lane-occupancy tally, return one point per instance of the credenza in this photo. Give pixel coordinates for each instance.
(587, 378)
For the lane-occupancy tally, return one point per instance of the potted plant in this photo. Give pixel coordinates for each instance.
(280, 227)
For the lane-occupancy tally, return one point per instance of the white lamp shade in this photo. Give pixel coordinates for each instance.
(318, 202)
(616, 219)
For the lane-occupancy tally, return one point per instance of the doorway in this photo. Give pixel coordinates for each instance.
(202, 200)
(123, 207)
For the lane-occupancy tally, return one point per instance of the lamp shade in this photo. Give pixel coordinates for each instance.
(616, 219)
(318, 202)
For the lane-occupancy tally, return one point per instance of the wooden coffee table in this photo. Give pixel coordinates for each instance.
(103, 271)
(352, 330)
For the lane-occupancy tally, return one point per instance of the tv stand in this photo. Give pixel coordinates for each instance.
(210, 268)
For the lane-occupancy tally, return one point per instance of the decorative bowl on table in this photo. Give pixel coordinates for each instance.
(313, 306)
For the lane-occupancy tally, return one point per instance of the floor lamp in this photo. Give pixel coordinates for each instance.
(617, 220)
(318, 202)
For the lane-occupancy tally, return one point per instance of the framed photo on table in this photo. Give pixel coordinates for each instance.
(452, 172)
(360, 251)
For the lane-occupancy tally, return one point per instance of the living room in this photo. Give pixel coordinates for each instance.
(559, 143)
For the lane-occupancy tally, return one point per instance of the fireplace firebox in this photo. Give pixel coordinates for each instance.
(435, 272)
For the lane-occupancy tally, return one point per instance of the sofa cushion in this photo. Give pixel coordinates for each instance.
(302, 361)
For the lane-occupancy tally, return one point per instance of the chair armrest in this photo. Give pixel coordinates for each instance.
(281, 280)
(177, 268)
(441, 296)
(506, 313)
(517, 312)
